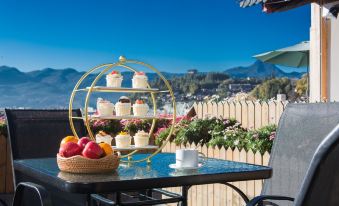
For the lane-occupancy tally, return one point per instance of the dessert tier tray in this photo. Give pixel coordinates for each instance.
(133, 147)
(123, 89)
(120, 117)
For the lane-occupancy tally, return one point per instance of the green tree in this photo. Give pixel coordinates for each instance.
(301, 87)
(270, 88)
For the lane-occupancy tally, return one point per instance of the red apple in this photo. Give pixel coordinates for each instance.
(92, 150)
(83, 141)
(70, 149)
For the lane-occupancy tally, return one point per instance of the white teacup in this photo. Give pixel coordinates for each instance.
(188, 158)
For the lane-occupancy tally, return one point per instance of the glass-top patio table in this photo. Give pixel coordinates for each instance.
(139, 176)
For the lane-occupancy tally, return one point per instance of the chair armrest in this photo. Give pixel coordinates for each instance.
(261, 198)
(35, 188)
(102, 199)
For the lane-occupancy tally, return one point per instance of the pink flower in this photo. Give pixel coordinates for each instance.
(272, 136)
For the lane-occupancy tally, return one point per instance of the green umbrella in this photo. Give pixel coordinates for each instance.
(293, 56)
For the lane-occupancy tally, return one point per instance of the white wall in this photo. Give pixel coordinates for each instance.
(334, 60)
(315, 66)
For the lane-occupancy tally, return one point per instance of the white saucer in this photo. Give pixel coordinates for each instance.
(174, 166)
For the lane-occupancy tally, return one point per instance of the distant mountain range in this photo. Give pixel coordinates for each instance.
(51, 88)
(260, 70)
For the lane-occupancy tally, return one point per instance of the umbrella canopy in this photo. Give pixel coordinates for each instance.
(293, 56)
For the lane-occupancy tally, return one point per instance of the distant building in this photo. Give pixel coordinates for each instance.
(240, 87)
(192, 71)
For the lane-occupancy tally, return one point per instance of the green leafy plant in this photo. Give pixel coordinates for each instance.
(216, 132)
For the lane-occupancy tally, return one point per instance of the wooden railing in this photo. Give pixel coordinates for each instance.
(252, 115)
(218, 194)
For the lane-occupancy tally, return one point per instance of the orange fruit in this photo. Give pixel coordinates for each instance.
(107, 148)
(69, 139)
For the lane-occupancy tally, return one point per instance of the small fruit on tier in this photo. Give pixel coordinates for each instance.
(68, 139)
(103, 137)
(107, 148)
(140, 108)
(123, 106)
(104, 107)
(92, 150)
(83, 141)
(114, 79)
(70, 149)
(140, 80)
(123, 140)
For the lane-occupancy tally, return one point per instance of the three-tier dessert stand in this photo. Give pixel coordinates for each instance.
(127, 64)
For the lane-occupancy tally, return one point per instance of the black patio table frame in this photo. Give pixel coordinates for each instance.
(141, 176)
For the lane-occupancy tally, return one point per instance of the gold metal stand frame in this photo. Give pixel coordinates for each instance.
(124, 63)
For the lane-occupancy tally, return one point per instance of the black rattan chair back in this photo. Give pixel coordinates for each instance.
(37, 133)
(321, 184)
(301, 129)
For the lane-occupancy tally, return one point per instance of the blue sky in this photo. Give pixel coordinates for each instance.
(173, 35)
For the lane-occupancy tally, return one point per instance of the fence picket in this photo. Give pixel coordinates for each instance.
(226, 110)
(272, 112)
(210, 187)
(232, 110)
(220, 107)
(215, 110)
(250, 184)
(238, 107)
(258, 115)
(200, 111)
(199, 193)
(223, 191)
(205, 109)
(205, 187)
(194, 188)
(251, 115)
(216, 187)
(242, 184)
(264, 114)
(257, 183)
(265, 158)
(210, 109)
(229, 191)
(244, 114)
(235, 196)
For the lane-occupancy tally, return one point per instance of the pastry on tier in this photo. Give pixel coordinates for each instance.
(139, 80)
(140, 108)
(123, 140)
(123, 107)
(114, 79)
(104, 107)
(103, 137)
(141, 139)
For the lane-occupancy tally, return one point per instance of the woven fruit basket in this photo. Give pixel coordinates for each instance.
(80, 164)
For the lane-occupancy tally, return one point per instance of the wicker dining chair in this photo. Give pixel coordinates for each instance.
(37, 134)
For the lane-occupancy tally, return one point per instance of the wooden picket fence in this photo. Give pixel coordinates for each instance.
(218, 194)
(250, 114)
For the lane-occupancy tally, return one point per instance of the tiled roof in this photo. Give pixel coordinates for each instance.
(270, 6)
